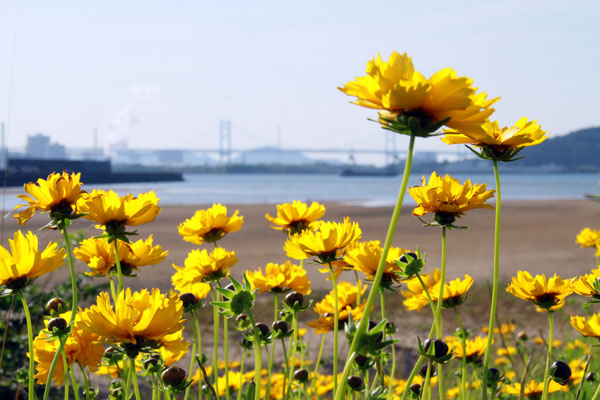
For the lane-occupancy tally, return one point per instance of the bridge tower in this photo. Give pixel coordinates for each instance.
(389, 149)
(225, 141)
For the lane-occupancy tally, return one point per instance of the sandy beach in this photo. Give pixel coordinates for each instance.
(536, 235)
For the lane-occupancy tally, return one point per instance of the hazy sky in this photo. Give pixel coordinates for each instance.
(163, 73)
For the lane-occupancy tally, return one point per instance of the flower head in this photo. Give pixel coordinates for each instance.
(279, 278)
(365, 256)
(324, 242)
(140, 318)
(347, 297)
(81, 346)
(99, 255)
(414, 295)
(500, 141)
(588, 238)
(587, 327)
(448, 197)
(296, 216)
(455, 292)
(57, 193)
(587, 285)
(210, 225)
(202, 266)
(545, 293)
(114, 212)
(475, 347)
(25, 261)
(533, 389)
(396, 88)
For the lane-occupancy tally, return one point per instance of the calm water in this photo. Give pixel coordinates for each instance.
(368, 191)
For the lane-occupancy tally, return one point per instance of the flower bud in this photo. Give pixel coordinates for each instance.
(493, 376)
(150, 362)
(230, 287)
(263, 328)
(560, 372)
(423, 370)
(57, 323)
(444, 218)
(109, 352)
(173, 376)
(245, 343)
(440, 348)
(281, 326)
(415, 388)
(116, 393)
(55, 306)
(294, 297)
(188, 299)
(301, 375)
(356, 383)
(590, 377)
(404, 259)
(522, 335)
(362, 361)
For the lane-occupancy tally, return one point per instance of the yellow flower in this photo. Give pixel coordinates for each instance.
(113, 212)
(365, 256)
(555, 343)
(57, 193)
(533, 389)
(587, 327)
(587, 285)
(588, 238)
(296, 216)
(173, 347)
(522, 134)
(415, 297)
(455, 292)
(280, 277)
(210, 225)
(347, 296)
(396, 88)
(475, 348)
(447, 196)
(138, 318)
(545, 293)
(324, 242)
(504, 329)
(200, 266)
(99, 255)
(506, 351)
(81, 347)
(26, 261)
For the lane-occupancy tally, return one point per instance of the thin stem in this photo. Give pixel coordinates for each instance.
(86, 381)
(596, 393)
(358, 283)
(587, 364)
(112, 289)
(12, 301)
(118, 264)
(257, 358)
(549, 356)
(74, 383)
(336, 317)
(241, 383)
(415, 369)
(293, 359)
(193, 355)
(31, 394)
(364, 321)
(226, 350)
(272, 354)
(438, 312)
(286, 369)
(488, 349)
(216, 320)
(317, 365)
(463, 366)
(72, 271)
(59, 351)
(133, 373)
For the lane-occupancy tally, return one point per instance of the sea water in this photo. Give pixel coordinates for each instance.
(365, 191)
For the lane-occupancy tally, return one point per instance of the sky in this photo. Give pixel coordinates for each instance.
(161, 74)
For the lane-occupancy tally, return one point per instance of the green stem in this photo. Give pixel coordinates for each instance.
(216, 319)
(72, 272)
(418, 364)
(226, 349)
(317, 365)
(118, 264)
(463, 366)
(357, 286)
(74, 383)
(241, 383)
(31, 394)
(272, 354)
(426, 389)
(336, 313)
(66, 375)
(596, 393)
(257, 358)
(112, 289)
(127, 380)
(133, 373)
(293, 358)
(438, 312)
(488, 349)
(86, 381)
(193, 355)
(549, 356)
(364, 321)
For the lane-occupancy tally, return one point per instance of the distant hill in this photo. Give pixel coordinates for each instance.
(577, 151)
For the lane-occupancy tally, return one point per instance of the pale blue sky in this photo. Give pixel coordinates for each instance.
(163, 73)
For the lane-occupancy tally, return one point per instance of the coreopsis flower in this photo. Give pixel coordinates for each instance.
(506, 351)
(81, 346)
(548, 294)
(210, 225)
(203, 266)
(25, 261)
(556, 343)
(501, 144)
(398, 90)
(455, 292)
(56, 194)
(173, 347)
(414, 295)
(140, 318)
(279, 278)
(587, 285)
(99, 255)
(448, 198)
(234, 379)
(323, 242)
(365, 256)
(587, 326)
(114, 212)
(296, 216)
(589, 238)
(475, 348)
(504, 329)
(533, 389)
(347, 296)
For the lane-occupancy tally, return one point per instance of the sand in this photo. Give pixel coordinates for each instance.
(538, 236)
